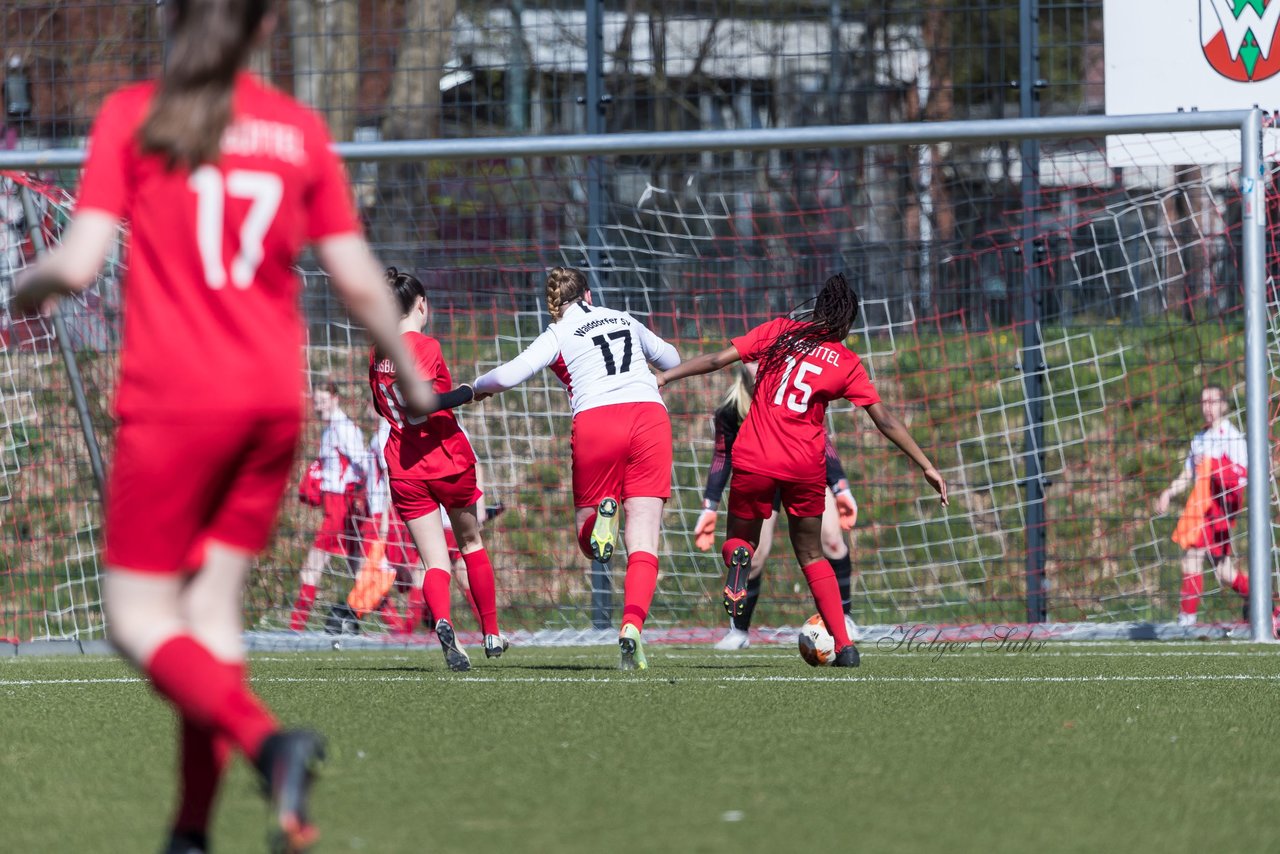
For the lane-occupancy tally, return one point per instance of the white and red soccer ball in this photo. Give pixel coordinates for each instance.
(817, 646)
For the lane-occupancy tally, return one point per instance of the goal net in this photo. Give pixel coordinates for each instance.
(1136, 302)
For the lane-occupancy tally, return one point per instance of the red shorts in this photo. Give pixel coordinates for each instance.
(400, 550)
(414, 499)
(338, 528)
(751, 496)
(176, 484)
(621, 451)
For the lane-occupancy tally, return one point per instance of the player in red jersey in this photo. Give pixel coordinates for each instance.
(430, 464)
(222, 181)
(621, 437)
(780, 447)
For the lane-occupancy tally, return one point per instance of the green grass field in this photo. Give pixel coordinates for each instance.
(1141, 747)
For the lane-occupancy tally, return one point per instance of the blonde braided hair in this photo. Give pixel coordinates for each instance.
(565, 286)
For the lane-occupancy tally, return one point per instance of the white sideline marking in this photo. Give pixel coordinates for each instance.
(917, 680)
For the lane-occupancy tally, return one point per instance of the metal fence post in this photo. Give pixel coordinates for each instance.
(33, 217)
(1032, 362)
(1253, 192)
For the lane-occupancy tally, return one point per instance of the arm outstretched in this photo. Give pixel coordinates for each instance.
(895, 431)
(704, 364)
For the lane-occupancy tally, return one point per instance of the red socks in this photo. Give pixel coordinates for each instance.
(302, 607)
(203, 759)
(413, 610)
(584, 535)
(208, 694)
(1241, 584)
(642, 579)
(1192, 588)
(435, 589)
(731, 545)
(483, 589)
(826, 593)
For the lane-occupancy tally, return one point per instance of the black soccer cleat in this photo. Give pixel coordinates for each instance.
(847, 657)
(453, 655)
(186, 842)
(288, 763)
(342, 620)
(735, 585)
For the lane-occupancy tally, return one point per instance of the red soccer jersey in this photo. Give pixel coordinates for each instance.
(783, 435)
(421, 448)
(211, 320)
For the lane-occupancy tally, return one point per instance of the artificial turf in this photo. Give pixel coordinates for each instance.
(1141, 747)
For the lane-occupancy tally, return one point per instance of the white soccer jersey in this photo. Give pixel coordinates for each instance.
(342, 453)
(377, 485)
(1213, 442)
(600, 354)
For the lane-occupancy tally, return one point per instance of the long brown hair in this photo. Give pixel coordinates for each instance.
(209, 41)
(565, 286)
(835, 308)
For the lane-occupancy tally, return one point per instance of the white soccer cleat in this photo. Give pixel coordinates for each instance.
(735, 639)
(1186, 619)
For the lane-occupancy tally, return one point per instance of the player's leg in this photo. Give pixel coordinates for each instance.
(751, 499)
(738, 636)
(836, 549)
(211, 606)
(645, 488)
(804, 505)
(327, 542)
(427, 532)
(600, 451)
(1192, 586)
(480, 576)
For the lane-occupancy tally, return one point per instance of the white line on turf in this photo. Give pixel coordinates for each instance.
(676, 677)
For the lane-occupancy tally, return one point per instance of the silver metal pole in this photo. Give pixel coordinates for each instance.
(32, 214)
(825, 136)
(1254, 203)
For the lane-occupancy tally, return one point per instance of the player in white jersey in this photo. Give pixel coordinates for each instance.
(621, 436)
(1216, 468)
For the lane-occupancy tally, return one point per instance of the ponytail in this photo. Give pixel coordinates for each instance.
(835, 308)
(209, 42)
(565, 286)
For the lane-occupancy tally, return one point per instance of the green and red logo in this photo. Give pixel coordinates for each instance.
(1241, 38)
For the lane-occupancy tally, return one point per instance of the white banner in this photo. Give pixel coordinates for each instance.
(1168, 55)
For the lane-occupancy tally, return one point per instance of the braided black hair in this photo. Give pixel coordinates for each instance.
(835, 308)
(407, 289)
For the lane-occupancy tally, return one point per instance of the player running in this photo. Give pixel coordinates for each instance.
(430, 464)
(839, 515)
(222, 181)
(803, 366)
(621, 437)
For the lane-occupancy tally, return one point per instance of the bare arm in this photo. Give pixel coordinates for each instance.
(359, 281)
(1179, 485)
(704, 364)
(71, 267)
(895, 431)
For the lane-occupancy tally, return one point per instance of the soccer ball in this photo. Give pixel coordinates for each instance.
(817, 646)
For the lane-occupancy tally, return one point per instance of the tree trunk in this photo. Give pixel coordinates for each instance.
(340, 33)
(308, 59)
(401, 219)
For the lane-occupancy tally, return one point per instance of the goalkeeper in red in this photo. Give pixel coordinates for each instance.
(223, 181)
(780, 448)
